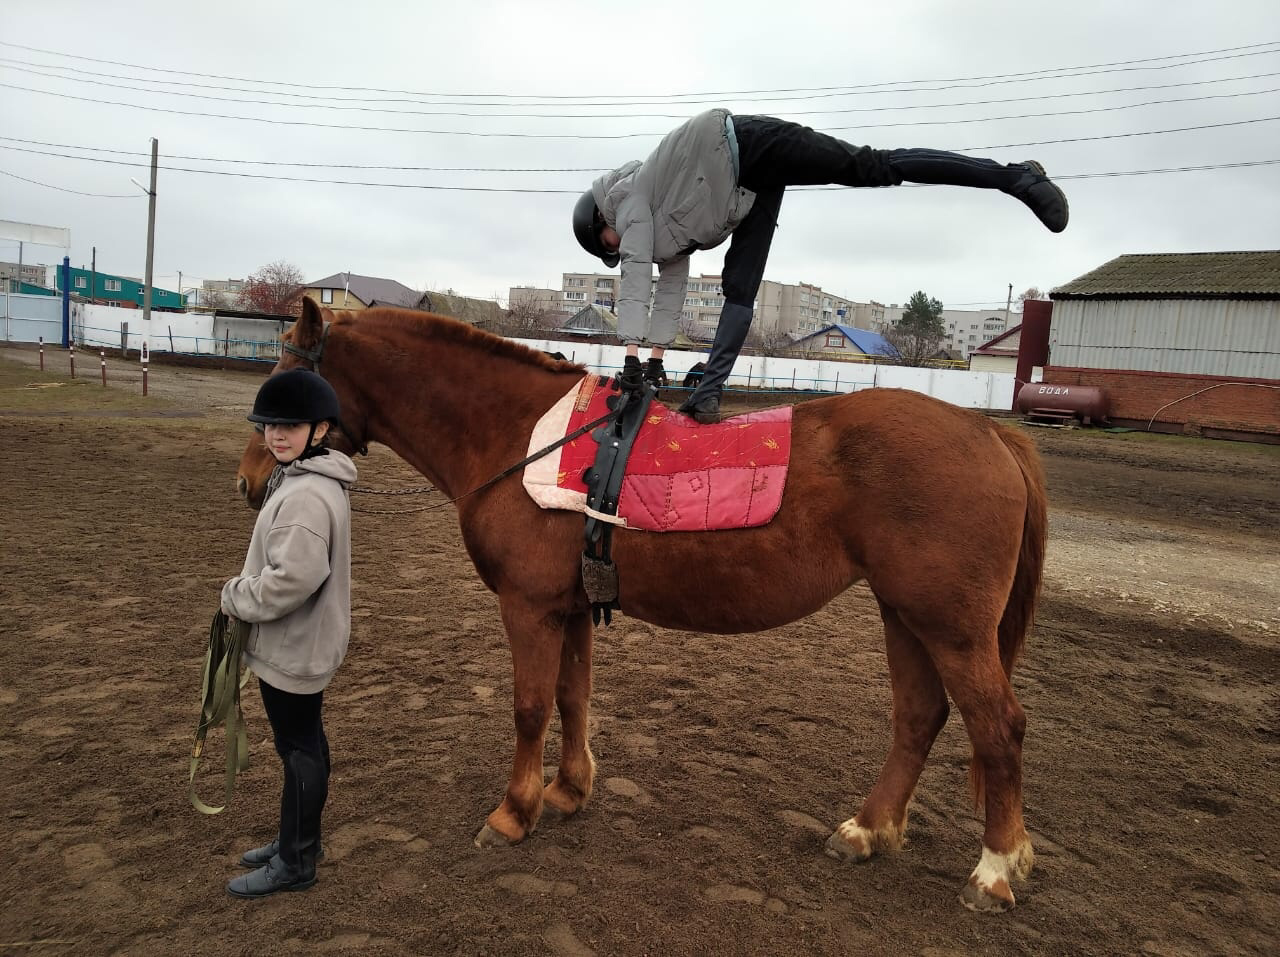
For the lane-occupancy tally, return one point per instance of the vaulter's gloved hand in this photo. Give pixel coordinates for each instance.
(631, 379)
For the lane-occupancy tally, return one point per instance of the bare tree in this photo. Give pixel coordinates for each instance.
(528, 315)
(212, 299)
(768, 341)
(1032, 293)
(275, 289)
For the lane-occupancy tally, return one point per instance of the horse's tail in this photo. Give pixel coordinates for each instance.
(1021, 606)
(1020, 609)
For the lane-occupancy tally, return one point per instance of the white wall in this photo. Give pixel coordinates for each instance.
(180, 332)
(970, 390)
(194, 334)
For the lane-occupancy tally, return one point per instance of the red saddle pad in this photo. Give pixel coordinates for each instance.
(681, 476)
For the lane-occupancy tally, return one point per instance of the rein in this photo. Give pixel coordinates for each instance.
(314, 355)
(511, 469)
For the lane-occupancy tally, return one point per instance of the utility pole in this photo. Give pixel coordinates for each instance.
(1007, 303)
(93, 275)
(151, 248)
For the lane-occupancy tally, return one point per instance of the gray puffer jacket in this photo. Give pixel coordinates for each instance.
(295, 588)
(684, 197)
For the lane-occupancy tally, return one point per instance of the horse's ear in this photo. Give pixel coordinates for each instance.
(310, 325)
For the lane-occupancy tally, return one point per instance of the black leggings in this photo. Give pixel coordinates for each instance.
(296, 722)
(772, 155)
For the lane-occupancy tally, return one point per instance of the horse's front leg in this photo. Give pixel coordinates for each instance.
(572, 785)
(535, 636)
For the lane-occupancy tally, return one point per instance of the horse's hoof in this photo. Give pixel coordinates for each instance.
(993, 900)
(488, 837)
(851, 845)
(563, 802)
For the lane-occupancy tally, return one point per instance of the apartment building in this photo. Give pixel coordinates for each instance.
(536, 298)
(32, 275)
(965, 329)
(791, 309)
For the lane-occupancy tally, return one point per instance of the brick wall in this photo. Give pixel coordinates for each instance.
(1235, 405)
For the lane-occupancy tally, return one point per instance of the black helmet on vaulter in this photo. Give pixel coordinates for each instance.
(295, 396)
(587, 223)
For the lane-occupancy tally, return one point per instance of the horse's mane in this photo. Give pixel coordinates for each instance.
(449, 329)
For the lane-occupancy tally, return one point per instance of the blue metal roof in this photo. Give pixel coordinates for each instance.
(870, 343)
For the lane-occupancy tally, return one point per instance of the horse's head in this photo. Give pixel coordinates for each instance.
(303, 345)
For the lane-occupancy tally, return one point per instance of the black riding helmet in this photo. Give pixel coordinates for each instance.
(298, 395)
(587, 223)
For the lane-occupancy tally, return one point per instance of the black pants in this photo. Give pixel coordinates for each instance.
(295, 722)
(304, 751)
(772, 155)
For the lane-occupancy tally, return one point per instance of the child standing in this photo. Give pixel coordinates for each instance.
(295, 590)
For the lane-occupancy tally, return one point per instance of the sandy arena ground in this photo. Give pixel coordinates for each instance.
(1153, 742)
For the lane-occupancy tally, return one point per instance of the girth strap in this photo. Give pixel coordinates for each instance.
(220, 704)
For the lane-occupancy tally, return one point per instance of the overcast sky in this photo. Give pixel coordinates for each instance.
(614, 78)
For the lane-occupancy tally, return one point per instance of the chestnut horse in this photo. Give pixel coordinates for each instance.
(940, 510)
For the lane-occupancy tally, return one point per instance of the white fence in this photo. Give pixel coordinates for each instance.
(970, 390)
(201, 334)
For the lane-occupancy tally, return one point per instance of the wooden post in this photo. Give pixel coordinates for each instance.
(42, 353)
(102, 354)
(71, 348)
(171, 350)
(145, 357)
(226, 342)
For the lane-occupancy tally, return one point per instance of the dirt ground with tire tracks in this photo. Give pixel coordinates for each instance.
(1153, 742)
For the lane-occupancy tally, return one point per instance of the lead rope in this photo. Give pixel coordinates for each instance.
(220, 704)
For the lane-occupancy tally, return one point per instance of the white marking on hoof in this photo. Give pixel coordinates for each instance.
(853, 842)
(988, 889)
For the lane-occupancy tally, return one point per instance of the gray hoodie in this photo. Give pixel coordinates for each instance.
(295, 588)
(684, 197)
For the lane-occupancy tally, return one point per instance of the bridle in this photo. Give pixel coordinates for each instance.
(313, 356)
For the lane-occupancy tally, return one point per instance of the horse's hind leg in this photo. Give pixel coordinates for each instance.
(995, 721)
(572, 785)
(919, 712)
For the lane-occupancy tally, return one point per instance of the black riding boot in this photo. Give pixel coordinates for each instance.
(293, 867)
(261, 855)
(731, 333)
(1025, 181)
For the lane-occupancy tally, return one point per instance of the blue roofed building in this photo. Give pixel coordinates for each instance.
(845, 341)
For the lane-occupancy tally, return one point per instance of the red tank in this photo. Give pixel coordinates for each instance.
(1043, 402)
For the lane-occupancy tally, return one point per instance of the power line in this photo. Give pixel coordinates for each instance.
(63, 189)
(22, 66)
(483, 169)
(493, 135)
(248, 162)
(864, 126)
(1234, 53)
(504, 189)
